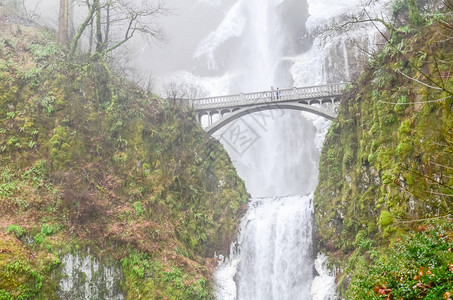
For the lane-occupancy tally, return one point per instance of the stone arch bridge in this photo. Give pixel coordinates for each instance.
(220, 111)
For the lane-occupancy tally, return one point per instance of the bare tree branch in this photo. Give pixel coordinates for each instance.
(440, 165)
(439, 194)
(418, 81)
(413, 65)
(32, 14)
(118, 21)
(419, 102)
(426, 219)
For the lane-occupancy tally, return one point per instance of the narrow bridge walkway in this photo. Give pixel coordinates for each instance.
(225, 109)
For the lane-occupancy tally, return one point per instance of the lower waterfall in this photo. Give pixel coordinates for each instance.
(273, 255)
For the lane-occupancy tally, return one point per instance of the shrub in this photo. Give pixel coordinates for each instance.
(417, 266)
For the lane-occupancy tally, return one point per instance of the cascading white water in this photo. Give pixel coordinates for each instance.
(275, 249)
(273, 256)
(259, 44)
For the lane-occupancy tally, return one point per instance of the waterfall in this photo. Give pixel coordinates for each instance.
(273, 251)
(270, 268)
(273, 257)
(258, 44)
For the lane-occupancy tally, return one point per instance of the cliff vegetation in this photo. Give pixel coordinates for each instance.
(93, 164)
(384, 204)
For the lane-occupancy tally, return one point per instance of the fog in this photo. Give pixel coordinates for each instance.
(187, 23)
(202, 40)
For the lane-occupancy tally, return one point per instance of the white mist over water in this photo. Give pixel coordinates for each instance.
(251, 32)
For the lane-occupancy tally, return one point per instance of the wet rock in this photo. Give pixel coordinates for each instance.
(86, 277)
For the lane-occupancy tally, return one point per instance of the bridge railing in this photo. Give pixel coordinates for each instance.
(283, 95)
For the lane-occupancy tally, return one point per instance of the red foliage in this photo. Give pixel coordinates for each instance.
(382, 290)
(448, 295)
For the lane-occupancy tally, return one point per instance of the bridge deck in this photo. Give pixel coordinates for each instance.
(276, 96)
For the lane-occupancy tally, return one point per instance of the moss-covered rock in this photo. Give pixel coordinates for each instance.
(387, 165)
(88, 159)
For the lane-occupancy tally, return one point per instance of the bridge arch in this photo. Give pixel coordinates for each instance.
(236, 114)
(222, 110)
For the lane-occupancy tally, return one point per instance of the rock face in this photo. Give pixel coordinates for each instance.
(386, 162)
(340, 47)
(86, 277)
(394, 149)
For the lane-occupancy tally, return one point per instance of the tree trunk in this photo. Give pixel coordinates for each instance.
(99, 43)
(81, 29)
(63, 22)
(90, 48)
(71, 28)
(107, 27)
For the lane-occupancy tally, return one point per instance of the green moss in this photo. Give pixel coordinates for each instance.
(148, 279)
(90, 159)
(397, 160)
(404, 148)
(385, 218)
(401, 104)
(19, 277)
(18, 231)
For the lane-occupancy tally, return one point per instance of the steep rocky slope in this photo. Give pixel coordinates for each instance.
(96, 173)
(384, 203)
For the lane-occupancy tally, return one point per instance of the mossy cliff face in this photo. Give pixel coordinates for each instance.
(88, 160)
(387, 162)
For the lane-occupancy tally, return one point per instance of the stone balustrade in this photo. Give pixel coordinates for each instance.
(285, 95)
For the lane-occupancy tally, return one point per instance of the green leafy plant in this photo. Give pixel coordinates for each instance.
(18, 231)
(29, 283)
(41, 52)
(10, 115)
(46, 229)
(136, 263)
(33, 76)
(46, 103)
(8, 185)
(417, 266)
(138, 208)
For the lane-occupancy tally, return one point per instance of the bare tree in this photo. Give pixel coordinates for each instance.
(115, 22)
(180, 90)
(31, 13)
(174, 90)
